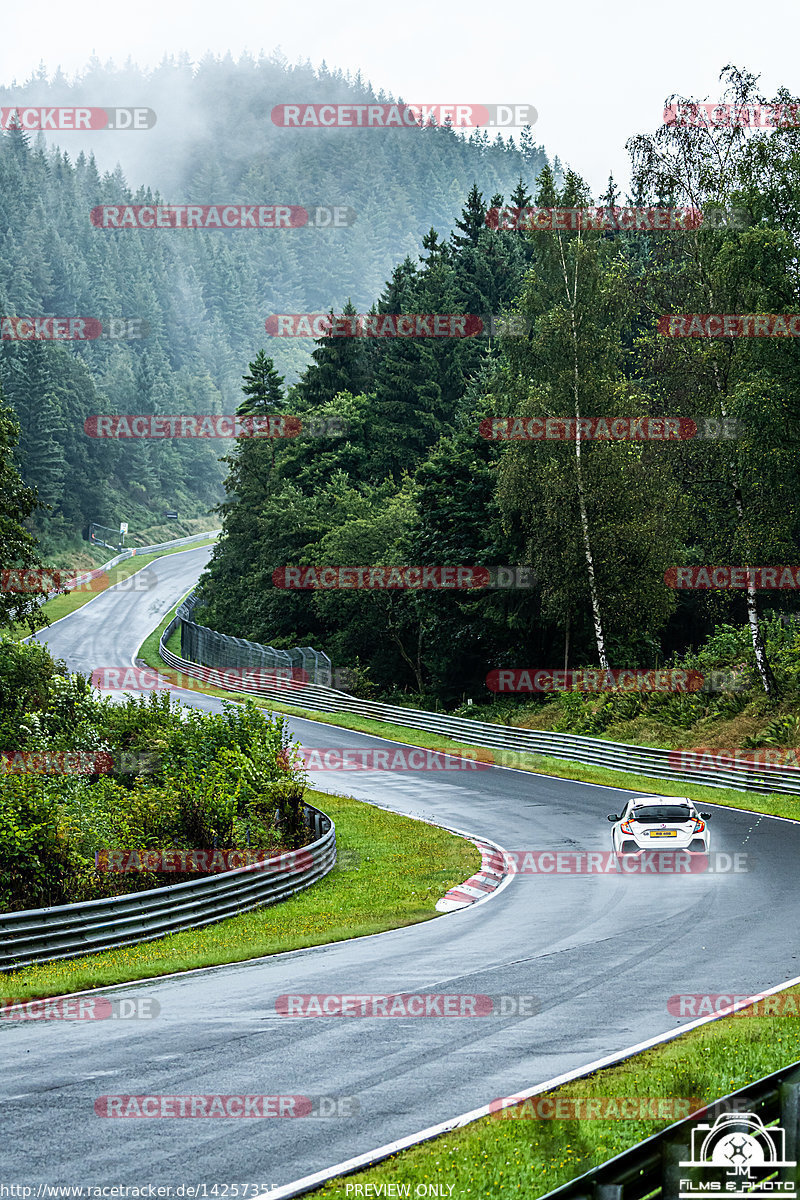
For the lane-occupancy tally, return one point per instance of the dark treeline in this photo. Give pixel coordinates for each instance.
(598, 523)
(204, 295)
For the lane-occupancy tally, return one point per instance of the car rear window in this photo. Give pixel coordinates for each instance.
(655, 813)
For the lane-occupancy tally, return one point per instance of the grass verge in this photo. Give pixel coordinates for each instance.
(395, 879)
(519, 1155)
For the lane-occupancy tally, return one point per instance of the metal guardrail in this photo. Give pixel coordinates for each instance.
(506, 740)
(652, 1168)
(132, 551)
(69, 930)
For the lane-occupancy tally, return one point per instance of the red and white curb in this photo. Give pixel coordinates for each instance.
(492, 873)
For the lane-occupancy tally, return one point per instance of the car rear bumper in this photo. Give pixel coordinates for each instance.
(664, 845)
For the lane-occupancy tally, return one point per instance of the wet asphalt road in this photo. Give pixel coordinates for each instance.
(601, 953)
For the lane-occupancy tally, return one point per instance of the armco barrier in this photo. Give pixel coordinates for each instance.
(68, 930)
(132, 551)
(652, 1167)
(617, 756)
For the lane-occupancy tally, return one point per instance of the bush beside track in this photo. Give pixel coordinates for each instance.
(391, 875)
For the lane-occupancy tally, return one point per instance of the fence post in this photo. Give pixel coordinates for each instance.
(671, 1155)
(790, 1122)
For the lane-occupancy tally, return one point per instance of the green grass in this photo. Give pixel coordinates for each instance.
(401, 868)
(69, 602)
(520, 1156)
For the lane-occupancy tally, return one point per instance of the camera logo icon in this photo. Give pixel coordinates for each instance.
(742, 1153)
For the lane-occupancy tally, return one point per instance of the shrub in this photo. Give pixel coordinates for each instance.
(34, 856)
(26, 670)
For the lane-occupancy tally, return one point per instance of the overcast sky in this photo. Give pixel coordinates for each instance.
(596, 72)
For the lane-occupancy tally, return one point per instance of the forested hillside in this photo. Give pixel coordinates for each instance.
(203, 296)
(598, 522)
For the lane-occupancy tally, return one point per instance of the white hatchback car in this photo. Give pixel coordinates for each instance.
(660, 823)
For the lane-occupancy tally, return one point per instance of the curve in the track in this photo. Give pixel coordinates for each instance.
(602, 953)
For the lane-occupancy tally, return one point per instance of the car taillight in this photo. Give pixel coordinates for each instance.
(699, 825)
(626, 827)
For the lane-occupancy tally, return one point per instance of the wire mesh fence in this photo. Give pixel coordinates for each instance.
(210, 648)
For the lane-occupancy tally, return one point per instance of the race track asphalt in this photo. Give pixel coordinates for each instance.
(602, 953)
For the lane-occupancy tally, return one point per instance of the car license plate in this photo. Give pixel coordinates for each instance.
(663, 833)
